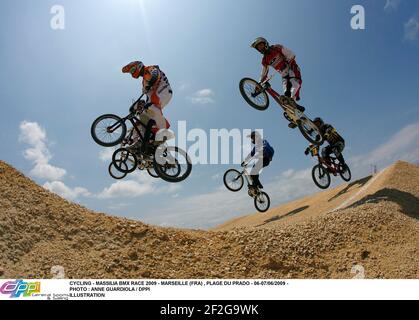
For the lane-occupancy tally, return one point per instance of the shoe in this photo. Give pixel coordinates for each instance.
(252, 191)
(292, 125)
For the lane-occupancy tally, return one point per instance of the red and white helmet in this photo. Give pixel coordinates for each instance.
(258, 41)
(134, 68)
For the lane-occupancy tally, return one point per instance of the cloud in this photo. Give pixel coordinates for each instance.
(35, 136)
(126, 189)
(58, 187)
(204, 96)
(105, 155)
(411, 29)
(139, 185)
(403, 145)
(392, 5)
(184, 86)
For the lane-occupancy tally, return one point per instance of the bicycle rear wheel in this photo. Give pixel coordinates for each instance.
(262, 202)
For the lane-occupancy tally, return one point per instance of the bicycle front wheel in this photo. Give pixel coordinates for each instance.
(310, 131)
(247, 88)
(233, 180)
(321, 176)
(108, 130)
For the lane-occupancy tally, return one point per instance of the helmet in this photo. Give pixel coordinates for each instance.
(134, 68)
(319, 121)
(258, 41)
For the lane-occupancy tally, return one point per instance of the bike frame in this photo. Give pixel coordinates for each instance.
(332, 167)
(132, 117)
(246, 176)
(291, 111)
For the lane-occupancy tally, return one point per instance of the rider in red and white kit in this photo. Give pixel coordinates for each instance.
(282, 60)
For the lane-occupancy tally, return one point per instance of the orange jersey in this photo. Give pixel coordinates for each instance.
(153, 78)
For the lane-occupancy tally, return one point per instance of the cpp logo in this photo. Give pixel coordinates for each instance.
(19, 287)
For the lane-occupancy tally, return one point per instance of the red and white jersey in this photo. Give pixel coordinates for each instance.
(277, 57)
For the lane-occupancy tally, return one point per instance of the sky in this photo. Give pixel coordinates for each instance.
(55, 82)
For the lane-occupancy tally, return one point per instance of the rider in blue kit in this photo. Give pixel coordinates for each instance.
(262, 152)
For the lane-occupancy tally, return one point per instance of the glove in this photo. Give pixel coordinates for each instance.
(243, 164)
(306, 152)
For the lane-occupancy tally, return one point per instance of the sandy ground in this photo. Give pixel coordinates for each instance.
(377, 229)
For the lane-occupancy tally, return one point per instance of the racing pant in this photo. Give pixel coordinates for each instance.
(257, 167)
(159, 99)
(291, 81)
(154, 115)
(337, 149)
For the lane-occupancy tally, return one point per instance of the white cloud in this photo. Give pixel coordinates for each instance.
(48, 172)
(216, 176)
(140, 184)
(392, 5)
(204, 96)
(411, 29)
(105, 155)
(184, 86)
(35, 136)
(64, 191)
(288, 173)
(404, 145)
(126, 189)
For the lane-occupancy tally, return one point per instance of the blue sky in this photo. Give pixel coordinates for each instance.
(54, 83)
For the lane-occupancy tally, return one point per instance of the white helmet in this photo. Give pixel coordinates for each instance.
(258, 41)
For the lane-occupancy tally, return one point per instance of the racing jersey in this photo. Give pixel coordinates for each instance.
(154, 79)
(277, 57)
(331, 135)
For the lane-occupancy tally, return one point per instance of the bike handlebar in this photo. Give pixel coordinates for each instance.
(138, 100)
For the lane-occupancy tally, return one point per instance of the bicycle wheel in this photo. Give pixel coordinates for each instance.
(108, 130)
(124, 160)
(233, 180)
(345, 172)
(310, 131)
(172, 164)
(115, 173)
(262, 202)
(321, 176)
(152, 172)
(247, 87)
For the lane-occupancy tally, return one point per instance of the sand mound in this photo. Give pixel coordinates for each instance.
(377, 229)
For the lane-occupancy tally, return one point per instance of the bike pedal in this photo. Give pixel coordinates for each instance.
(292, 125)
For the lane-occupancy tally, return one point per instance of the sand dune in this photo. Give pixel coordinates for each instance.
(375, 226)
